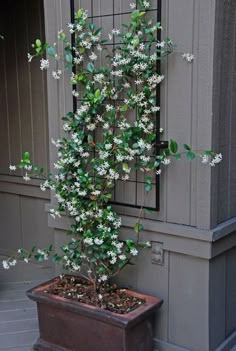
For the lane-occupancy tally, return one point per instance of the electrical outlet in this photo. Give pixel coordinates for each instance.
(157, 254)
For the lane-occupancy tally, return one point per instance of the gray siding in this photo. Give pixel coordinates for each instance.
(23, 126)
(224, 109)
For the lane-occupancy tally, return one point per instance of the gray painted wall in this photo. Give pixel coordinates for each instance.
(198, 254)
(23, 127)
(224, 109)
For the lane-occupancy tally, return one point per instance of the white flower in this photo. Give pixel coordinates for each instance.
(56, 74)
(98, 241)
(42, 187)
(75, 93)
(122, 257)
(30, 57)
(216, 159)
(12, 168)
(88, 241)
(205, 159)
(12, 263)
(161, 130)
(113, 260)
(188, 57)
(160, 44)
(26, 177)
(93, 56)
(91, 126)
(44, 64)
(110, 36)
(138, 81)
(134, 252)
(166, 161)
(146, 4)
(99, 47)
(96, 192)
(158, 172)
(115, 31)
(78, 60)
(148, 244)
(5, 264)
(26, 260)
(108, 146)
(66, 127)
(103, 278)
(132, 5)
(109, 108)
(126, 85)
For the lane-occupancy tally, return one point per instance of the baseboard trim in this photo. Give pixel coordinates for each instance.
(160, 345)
(228, 343)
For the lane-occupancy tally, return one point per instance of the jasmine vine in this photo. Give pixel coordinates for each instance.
(101, 143)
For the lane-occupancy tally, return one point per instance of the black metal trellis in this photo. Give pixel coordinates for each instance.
(159, 144)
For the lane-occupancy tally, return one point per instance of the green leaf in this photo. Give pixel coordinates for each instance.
(208, 152)
(90, 67)
(147, 210)
(190, 155)
(91, 26)
(90, 138)
(125, 166)
(148, 187)
(177, 156)
(148, 180)
(124, 108)
(38, 43)
(51, 51)
(187, 147)
(97, 93)
(26, 156)
(138, 227)
(78, 14)
(173, 146)
(69, 58)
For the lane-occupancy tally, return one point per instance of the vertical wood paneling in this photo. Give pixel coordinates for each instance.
(203, 101)
(10, 222)
(230, 291)
(4, 128)
(23, 69)
(224, 109)
(217, 301)
(23, 115)
(188, 302)
(179, 109)
(23, 91)
(12, 87)
(38, 91)
(35, 229)
(155, 283)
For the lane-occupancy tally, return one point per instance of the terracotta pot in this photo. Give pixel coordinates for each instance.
(67, 325)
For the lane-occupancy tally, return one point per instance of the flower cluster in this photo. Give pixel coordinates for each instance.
(102, 143)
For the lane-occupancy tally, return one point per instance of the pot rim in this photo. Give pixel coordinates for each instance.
(122, 320)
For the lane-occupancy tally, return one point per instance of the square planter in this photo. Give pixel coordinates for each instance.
(67, 325)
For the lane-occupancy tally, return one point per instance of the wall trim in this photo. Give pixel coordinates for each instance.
(228, 343)
(160, 345)
(174, 237)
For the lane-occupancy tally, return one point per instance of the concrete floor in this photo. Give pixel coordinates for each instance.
(18, 314)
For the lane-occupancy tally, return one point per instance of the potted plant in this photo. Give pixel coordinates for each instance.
(101, 144)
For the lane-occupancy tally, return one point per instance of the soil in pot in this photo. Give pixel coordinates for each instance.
(108, 298)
